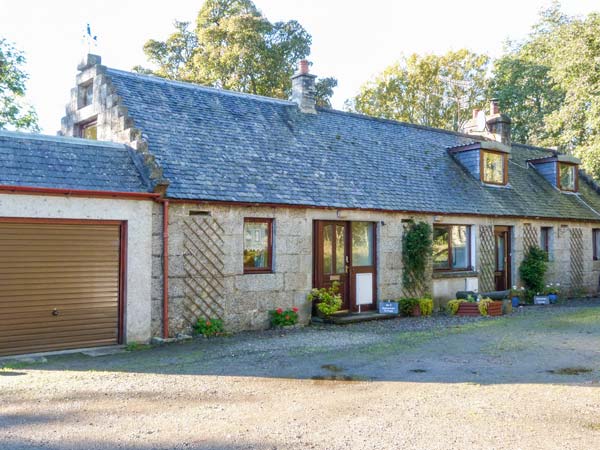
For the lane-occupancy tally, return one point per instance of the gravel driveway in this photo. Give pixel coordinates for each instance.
(527, 381)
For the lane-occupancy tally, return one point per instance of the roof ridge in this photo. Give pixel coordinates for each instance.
(65, 139)
(201, 87)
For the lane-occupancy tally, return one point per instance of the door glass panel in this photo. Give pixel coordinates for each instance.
(340, 254)
(362, 244)
(500, 253)
(327, 248)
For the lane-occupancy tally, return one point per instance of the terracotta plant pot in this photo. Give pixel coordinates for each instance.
(416, 312)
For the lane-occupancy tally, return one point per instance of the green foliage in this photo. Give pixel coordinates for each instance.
(452, 305)
(424, 89)
(533, 269)
(328, 300)
(136, 347)
(549, 83)
(13, 112)
(426, 306)
(483, 306)
(234, 46)
(407, 305)
(416, 251)
(209, 327)
(282, 318)
(517, 292)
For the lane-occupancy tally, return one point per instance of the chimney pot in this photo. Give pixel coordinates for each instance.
(303, 67)
(494, 106)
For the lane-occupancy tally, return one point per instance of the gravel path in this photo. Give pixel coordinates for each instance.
(528, 381)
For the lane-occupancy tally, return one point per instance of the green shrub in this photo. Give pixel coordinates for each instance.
(416, 251)
(452, 305)
(281, 318)
(533, 269)
(426, 305)
(407, 305)
(483, 306)
(209, 327)
(328, 300)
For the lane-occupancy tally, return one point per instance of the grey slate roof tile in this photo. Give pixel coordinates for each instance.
(67, 163)
(226, 146)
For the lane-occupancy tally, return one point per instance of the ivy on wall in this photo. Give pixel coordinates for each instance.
(416, 251)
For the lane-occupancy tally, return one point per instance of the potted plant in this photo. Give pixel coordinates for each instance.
(516, 294)
(410, 307)
(327, 300)
(552, 291)
(426, 306)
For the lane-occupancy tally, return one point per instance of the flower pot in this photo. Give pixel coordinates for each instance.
(472, 309)
(515, 302)
(553, 298)
(416, 312)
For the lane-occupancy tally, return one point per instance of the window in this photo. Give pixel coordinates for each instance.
(546, 240)
(493, 168)
(451, 247)
(86, 95)
(90, 131)
(258, 245)
(596, 243)
(567, 177)
(362, 244)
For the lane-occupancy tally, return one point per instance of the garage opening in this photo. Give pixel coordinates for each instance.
(61, 284)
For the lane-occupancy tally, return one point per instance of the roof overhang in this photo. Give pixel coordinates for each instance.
(568, 159)
(493, 146)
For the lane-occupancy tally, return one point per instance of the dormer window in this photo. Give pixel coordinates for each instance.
(494, 167)
(567, 177)
(487, 161)
(562, 171)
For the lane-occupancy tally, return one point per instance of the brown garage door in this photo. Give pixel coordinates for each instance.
(59, 285)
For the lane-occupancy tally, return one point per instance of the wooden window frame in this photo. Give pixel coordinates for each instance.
(469, 266)
(504, 167)
(546, 231)
(595, 232)
(82, 126)
(269, 268)
(576, 184)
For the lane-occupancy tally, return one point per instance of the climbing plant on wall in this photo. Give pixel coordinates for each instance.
(416, 251)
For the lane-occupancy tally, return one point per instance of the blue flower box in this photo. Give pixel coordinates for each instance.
(388, 307)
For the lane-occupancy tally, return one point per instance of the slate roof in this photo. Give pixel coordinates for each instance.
(35, 160)
(225, 146)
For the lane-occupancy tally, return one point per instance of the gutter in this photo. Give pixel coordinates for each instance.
(24, 190)
(165, 263)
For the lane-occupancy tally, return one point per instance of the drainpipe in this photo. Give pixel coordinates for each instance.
(165, 262)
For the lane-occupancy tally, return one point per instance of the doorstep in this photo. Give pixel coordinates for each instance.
(344, 319)
(41, 356)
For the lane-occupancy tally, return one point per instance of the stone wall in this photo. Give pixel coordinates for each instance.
(243, 300)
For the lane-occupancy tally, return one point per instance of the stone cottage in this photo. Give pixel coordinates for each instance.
(263, 199)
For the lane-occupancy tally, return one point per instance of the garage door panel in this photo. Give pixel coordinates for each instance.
(41, 317)
(73, 268)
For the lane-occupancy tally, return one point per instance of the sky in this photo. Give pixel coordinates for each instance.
(352, 40)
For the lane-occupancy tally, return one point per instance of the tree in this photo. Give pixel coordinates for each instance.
(432, 90)
(235, 47)
(550, 85)
(13, 112)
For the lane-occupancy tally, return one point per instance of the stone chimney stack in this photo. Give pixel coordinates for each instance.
(303, 89)
(497, 125)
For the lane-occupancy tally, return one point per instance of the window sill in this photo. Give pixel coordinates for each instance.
(258, 272)
(454, 274)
